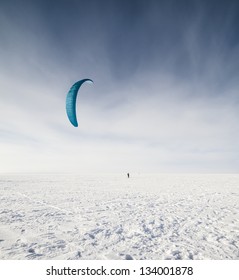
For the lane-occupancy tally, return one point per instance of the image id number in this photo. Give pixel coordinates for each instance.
(183, 270)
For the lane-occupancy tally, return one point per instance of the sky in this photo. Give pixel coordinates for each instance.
(165, 96)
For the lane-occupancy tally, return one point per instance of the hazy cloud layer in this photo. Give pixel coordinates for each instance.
(165, 94)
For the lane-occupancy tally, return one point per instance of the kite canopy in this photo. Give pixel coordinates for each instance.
(71, 101)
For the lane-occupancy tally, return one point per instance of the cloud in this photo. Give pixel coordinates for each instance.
(165, 93)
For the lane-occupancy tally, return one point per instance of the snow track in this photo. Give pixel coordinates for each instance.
(112, 217)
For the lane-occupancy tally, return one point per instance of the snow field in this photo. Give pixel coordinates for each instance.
(108, 216)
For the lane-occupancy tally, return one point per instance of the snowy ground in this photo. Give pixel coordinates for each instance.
(113, 217)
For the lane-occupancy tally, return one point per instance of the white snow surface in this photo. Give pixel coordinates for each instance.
(108, 216)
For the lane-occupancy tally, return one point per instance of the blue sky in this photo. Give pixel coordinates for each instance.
(165, 96)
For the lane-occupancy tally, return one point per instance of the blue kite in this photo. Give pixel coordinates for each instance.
(71, 101)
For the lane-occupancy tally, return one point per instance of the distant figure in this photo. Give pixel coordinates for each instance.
(128, 175)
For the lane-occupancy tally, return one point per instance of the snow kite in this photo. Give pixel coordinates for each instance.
(71, 101)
